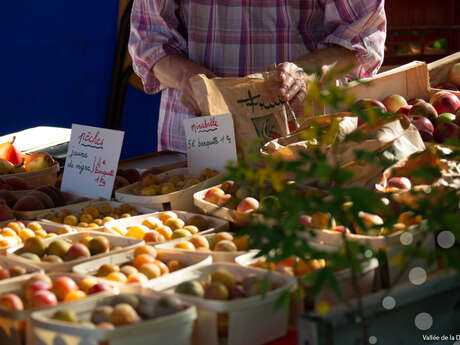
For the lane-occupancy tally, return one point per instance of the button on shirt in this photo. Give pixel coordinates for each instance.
(240, 37)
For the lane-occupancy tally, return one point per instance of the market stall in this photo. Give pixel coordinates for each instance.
(331, 229)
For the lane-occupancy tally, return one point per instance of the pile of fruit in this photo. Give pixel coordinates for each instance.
(162, 227)
(226, 195)
(224, 285)
(292, 266)
(145, 266)
(13, 271)
(15, 233)
(92, 216)
(151, 184)
(14, 183)
(41, 291)
(436, 120)
(220, 242)
(123, 310)
(63, 249)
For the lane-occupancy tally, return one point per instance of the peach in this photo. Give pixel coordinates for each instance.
(142, 259)
(154, 236)
(163, 268)
(77, 251)
(220, 236)
(98, 287)
(16, 271)
(43, 298)
(34, 287)
(58, 247)
(199, 241)
(150, 270)
(117, 277)
(213, 195)
(62, 286)
(145, 249)
(424, 109)
(150, 190)
(247, 205)
(11, 301)
(87, 283)
(224, 201)
(185, 245)
(175, 224)
(74, 296)
(191, 287)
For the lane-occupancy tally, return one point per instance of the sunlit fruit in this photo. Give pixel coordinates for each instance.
(213, 195)
(225, 246)
(99, 245)
(43, 298)
(199, 221)
(11, 301)
(399, 182)
(424, 109)
(117, 277)
(142, 259)
(74, 296)
(124, 314)
(199, 241)
(193, 288)
(62, 286)
(77, 251)
(35, 245)
(150, 270)
(223, 276)
(394, 102)
(185, 245)
(217, 291)
(179, 233)
(98, 287)
(445, 102)
(248, 204)
(175, 223)
(106, 269)
(154, 236)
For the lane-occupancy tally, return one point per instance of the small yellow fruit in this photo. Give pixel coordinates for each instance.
(125, 215)
(24, 234)
(137, 231)
(119, 230)
(65, 229)
(164, 216)
(86, 218)
(185, 245)
(92, 211)
(34, 226)
(71, 220)
(98, 221)
(93, 225)
(152, 223)
(105, 208)
(41, 233)
(192, 228)
(107, 219)
(82, 225)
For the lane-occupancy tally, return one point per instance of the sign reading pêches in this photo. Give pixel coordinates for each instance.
(210, 142)
(92, 161)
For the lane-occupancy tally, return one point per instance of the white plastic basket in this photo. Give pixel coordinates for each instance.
(168, 247)
(215, 224)
(173, 329)
(251, 320)
(191, 262)
(16, 324)
(125, 243)
(179, 200)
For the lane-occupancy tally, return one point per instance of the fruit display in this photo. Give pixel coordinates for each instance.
(222, 246)
(453, 79)
(165, 226)
(11, 271)
(16, 233)
(93, 215)
(13, 162)
(292, 266)
(64, 251)
(14, 183)
(138, 266)
(122, 310)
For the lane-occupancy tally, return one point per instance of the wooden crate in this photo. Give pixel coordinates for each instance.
(439, 69)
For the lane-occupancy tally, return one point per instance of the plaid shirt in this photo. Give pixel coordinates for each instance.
(239, 37)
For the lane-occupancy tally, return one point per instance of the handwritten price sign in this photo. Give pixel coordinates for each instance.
(210, 142)
(92, 161)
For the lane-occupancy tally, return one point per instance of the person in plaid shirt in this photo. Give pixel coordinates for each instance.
(173, 40)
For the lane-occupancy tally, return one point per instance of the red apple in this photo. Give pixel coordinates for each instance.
(445, 102)
(399, 182)
(32, 288)
(446, 130)
(62, 286)
(98, 287)
(394, 102)
(247, 205)
(11, 301)
(414, 101)
(426, 135)
(454, 74)
(43, 298)
(424, 109)
(422, 123)
(405, 109)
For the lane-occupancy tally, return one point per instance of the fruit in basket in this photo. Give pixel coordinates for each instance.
(447, 117)
(62, 286)
(193, 288)
(213, 195)
(16, 271)
(38, 161)
(424, 126)
(98, 287)
(150, 270)
(424, 109)
(53, 193)
(399, 183)
(117, 277)
(446, 130)
(142, 259)
(404, 109)
(11, 301)
(179, 233)
(124, 314)
(5, 211)
(223, 276)
(77, 251)
(106, 269)
(10, 153)
(453, 75)
(52, 258)
(9, 198)
(44, 198)
(217, 291)
(185, 245)
(101, 314)
(199, 241)
(225, 246)
(221, 236)
(43, 298)
(65, 315)
(99, 245)
(174, 223)
(4, 274)
(137, 231)
(154, 236)
(445, 102)
(34, 245)
(58, 247)
(394, 102)
(145, 249)
(152, 222)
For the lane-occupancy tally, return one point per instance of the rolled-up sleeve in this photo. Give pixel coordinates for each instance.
(360, 26)
(154, 34)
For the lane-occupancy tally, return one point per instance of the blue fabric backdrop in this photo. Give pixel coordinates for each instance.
(57, 59)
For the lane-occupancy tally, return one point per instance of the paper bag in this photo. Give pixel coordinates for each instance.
(253, 101)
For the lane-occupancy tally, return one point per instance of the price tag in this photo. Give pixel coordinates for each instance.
(92, 161)
(210, 142)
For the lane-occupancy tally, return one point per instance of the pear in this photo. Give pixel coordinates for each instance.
(5, 167)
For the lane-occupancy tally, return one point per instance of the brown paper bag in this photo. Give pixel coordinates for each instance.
(258, 111)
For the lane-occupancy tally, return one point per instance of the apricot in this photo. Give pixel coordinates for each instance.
(117, 277)
(174, 265)
(180, 233)
(127, 270)
(175, 223)
(85, 240)
(142, 259)
(24, 234)
(124, 314)
(87, 283)
(107, 219)
(62, 286)
(145, 249)
(17, 226)
(74, 296)
(41, 233)
(17, 271)
(82, 225)
(217, 291)
(137, 231)
(99, 245)
(163, 268)
(150, 270)
(65, 229)
(152, 222)
(77, 251)
(185, 245)
(34, 226)
(137, 278)
(58, 247)
(220, 236)
(199, 241)
(154, 236)
(225, 246)
(35, 245)
(164, 216)
(165, 231)
(98, 222)
(106, 269)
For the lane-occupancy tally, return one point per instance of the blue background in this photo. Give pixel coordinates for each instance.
(57, 59)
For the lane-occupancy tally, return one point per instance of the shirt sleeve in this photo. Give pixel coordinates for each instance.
(155, 33)
(360, 26)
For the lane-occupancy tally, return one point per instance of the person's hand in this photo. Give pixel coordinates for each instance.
(293, 86)
(186, 96)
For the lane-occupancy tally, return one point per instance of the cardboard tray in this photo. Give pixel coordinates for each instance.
(217, 225)
(179, 200)
(168, 247)
(125, 243)
(17, 324)
(251, 320)
(191, 262)
(80, 206)
(171, 329)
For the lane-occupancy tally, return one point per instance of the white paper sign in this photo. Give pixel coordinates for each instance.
(210, 142)
(92, 161)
